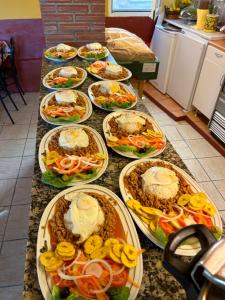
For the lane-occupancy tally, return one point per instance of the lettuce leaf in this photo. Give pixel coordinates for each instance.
(125, 148)
(60, 182)
(161, 236)
(69, 83)
(139, 152)
(98, 55)
(64, 119)
(119, 293)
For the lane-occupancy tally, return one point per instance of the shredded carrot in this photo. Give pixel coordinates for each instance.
(134, 283)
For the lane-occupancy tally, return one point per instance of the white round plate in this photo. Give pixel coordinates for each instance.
(118, 80)
(100, 143)
(127, 223)
(126, 87)
(92, 59)
(61, 60)
(106, 129)
(186, 249)
(76, 84)
(84, 118)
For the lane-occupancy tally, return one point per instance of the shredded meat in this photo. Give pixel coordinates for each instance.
(121, 75)
(97, 92)
(92, 148)
(79, 101)
(119, 132)
(58, 231)
(133, 183)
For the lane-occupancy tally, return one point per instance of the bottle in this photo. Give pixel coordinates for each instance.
(202, 12)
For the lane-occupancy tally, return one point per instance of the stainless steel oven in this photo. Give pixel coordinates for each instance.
(217, 122)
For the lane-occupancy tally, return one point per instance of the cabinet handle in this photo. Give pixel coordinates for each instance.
(222, 80)
(218, 55)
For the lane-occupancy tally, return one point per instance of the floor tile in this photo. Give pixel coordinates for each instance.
(17, 225)
(22, 193)
(32, 131)
(182, 149)
(201, 148)
(220, 185)
(222, 213)
(163, 119)
(20, 117)
(14, 132)
(215, 196)
(151, 107)
(12, 148)
(30, 147)
(27, 166)
(7, 188)
(4, 211)
(12, 262)
(9, 167)
(3, 115)
(12, 292)
(172, 133)
(196, 169)
(34, 118)
(214, 167)
(188, 132)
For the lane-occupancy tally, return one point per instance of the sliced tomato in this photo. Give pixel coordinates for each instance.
(205, 220)
(166, 227)
(86, 285)
(62, 283)
(120, 279)
(181, 221)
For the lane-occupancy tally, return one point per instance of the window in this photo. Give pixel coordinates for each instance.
(129, 7)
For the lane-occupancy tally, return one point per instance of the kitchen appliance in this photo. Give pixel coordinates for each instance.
(217, 122)
(204, 276)
(185, 69)
(163, 45)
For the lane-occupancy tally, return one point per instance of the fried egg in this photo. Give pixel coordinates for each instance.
(161, 182)
(130, 122)
(109, 87)
(67, 96)
(113, 70)
(73, 138)
(63, 48)
(84, 216)
(68, 72)
(94, 46)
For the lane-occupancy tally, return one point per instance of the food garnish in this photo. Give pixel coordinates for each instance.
(93, 51)
(61, 52)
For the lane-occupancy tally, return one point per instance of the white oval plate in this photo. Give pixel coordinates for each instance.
(101, 146)
(126, 87)
(185, 250)
(127, 223)
(61, 60)
(60, 89)
(106, 129)
(118, 80)
(91, 59)
(84, 118)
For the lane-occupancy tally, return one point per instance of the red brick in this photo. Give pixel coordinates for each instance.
(57, 1)
(57, 17)
(90, 36)
(51, 27)
(96, 28)
(98, 8)
(73, 8)
(60, 37)
(73, 27)
(91, 19)
(48, 8)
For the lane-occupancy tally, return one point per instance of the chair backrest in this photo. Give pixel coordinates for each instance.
(12, 52)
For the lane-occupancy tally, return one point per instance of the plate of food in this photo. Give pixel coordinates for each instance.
(133, 134)
(162, 199)
(64, 78)
(93, 51)
(106, 70)
(72, 154)
(60, 53)
(64, 107)
(111, 95)
(88, 247)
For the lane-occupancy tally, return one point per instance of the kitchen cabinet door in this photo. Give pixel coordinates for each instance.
(209, 85)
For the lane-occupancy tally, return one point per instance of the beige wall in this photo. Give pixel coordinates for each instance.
(19, 9)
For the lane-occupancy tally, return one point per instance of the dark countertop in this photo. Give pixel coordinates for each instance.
(157, 283)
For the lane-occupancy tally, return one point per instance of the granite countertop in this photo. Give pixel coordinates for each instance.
(157, 283)
(220, 44)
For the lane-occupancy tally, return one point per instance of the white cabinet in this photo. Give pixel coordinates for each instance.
(210, 80)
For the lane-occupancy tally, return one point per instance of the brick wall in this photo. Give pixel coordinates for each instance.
(75, 22)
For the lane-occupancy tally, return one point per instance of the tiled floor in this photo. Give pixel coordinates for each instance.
(17, 146)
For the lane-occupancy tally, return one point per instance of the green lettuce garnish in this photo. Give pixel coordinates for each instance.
(73, 118)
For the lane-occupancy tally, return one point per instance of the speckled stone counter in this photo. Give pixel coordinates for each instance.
(157, 283)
